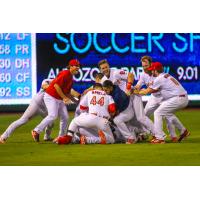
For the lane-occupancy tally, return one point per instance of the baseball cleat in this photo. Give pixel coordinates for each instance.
(36, 136)
(102, 137)
(157, 141)
(2, 141)
(174, 139)
(83, 139)
(130, 141)
(153, 138)
(183, 135)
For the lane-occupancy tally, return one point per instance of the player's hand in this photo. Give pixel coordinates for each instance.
(128, 92)
(67, 101)
(135, 91)
(142, 92)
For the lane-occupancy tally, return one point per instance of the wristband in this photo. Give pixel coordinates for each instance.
(128, 86)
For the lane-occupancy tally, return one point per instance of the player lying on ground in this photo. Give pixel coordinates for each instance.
(56, 96)
(98, 107)
(36, 107)
(174, 98)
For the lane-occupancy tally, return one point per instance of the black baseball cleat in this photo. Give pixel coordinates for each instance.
(184, 135)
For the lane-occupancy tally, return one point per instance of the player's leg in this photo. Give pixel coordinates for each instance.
(48, 130)
(167, 108)
(28, 114)
(171, 127)
(52, 106)
(64, 116)
(177, 123)
(86, 120)
(140, 115)
(152, 105)
(105, 130)
(120, 121)
(89, 136)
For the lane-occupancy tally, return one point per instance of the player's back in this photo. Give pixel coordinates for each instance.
(98, 102)
(169, 86)
(119, 77)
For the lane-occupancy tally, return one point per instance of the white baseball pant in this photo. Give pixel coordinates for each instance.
(87, 120)
(123, 117)
(55, 108)
(167, 108)
(152, 104)
(32, 110)
(140, 114)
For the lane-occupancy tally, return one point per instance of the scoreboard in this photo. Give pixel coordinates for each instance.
(178, 52)
(17, 68)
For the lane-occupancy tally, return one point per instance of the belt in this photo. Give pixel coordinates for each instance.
(182, 95)
(100, 116)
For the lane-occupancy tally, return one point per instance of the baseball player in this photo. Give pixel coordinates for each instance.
(155, 99)
(125, 80)
(118, 77)
(174, 98)
(99, 78)
(36, 107)
(99, 107)
(126, 111)
(55, 98)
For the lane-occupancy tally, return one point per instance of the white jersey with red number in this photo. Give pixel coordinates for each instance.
(98, 102)
(147, 80)
(119, 77)
(168, 86)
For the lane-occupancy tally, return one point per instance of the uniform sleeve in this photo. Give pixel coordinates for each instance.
(141, 80)
(84, 102)
(61, 78)
(112, 105)
(121, 74)
(156, 84)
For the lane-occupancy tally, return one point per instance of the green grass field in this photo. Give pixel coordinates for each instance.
(21, 150)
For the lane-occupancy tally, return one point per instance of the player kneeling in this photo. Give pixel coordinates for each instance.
(96, 107)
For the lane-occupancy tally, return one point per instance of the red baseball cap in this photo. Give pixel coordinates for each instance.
(74, 62)
(155, 66)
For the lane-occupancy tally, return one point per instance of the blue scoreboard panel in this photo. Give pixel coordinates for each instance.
(17, 68)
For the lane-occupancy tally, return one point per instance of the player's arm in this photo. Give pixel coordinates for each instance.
(112, 109)
(147, 91)
(61, 94)
(84, 104)
(139, 84)
(137, 87)
(74, 93)
(129, 84)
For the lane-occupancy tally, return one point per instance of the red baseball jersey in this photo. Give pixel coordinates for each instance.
(64, 80)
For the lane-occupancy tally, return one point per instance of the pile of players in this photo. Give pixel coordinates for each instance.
(112, 110)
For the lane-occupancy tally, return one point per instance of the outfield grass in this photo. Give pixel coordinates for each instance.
(20, 150)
